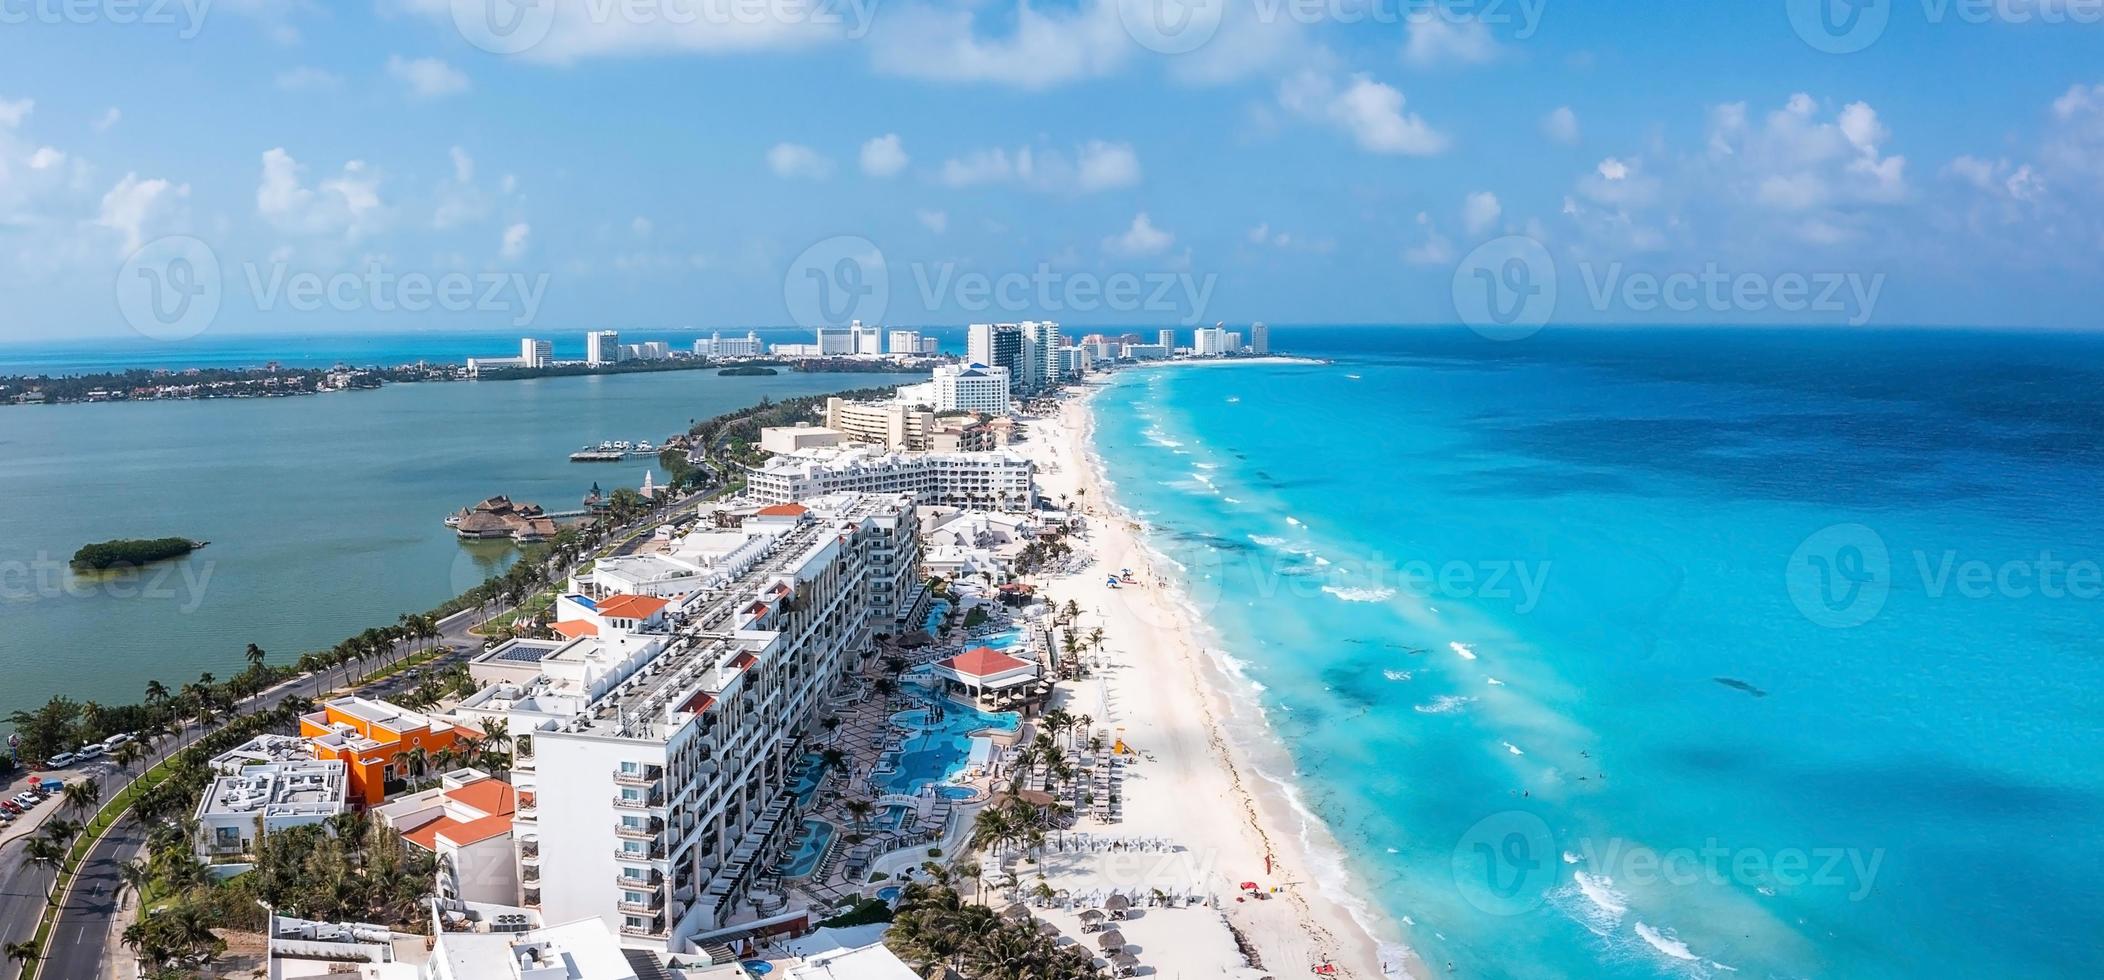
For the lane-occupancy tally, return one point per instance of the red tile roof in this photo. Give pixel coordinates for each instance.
(631, 606)
(699, 703)
(784, 510)
(983, 662)
(487, 795)
(574, 628)
(493, 798)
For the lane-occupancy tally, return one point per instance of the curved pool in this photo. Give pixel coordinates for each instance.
(810, 848)
(940, 748)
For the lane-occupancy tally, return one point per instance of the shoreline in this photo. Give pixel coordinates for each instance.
(1207, 726)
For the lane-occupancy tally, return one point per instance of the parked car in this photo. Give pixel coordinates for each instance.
(113, 741)
(61, 760)
(90, 751)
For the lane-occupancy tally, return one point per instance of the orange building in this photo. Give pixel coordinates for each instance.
(377, 742)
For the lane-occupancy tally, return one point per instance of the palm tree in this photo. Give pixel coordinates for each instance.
(136, 874)
(860, 811)
(254, 655)
(22, 952)
(128, 755)
(83, 795)
(51, 854)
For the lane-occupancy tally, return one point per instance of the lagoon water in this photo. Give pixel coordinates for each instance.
(324, 512)
(1665, 653)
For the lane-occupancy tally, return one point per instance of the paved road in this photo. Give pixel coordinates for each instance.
(81, 939)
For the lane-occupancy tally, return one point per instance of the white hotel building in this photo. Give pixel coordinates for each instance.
(992, 480)
(652, 770)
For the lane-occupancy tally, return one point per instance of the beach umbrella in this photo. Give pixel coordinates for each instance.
(1117, 903)
(1047, 928)
(1016, 911)
(1112, 940)
(1091, 918)
(1125, 963)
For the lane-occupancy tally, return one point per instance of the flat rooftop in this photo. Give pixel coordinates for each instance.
(308, 788)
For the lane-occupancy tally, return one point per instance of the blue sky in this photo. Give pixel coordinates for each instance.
(663, 163)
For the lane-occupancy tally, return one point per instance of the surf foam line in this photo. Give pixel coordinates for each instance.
(1248, 741)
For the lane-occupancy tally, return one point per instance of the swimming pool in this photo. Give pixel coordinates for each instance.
(1000, 641)
(809, 778)
(810, 848)
(937, 609)
(941, 748)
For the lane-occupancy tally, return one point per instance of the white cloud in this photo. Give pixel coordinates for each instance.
(883, 156)
(1370, 111)
(1262, 234)
(1096, 165)
(2075, 144)
(1561, 125)
(46, 158)
(641, 227)
(1480, 212)
(797, 161)
(132, 203)
(935, 221)
(347, 204)
(427, 78)
(13, 112)
(1797, 161)
(1440, 39)
(460, 200)
(1142, 238)
(1102, 166)
(1433, 249)
(516, 237)
(579, 30)
(110, 116)
(308, 79)
(1041, 50)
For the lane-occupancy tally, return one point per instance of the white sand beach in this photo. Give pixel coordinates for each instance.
(1191, 783)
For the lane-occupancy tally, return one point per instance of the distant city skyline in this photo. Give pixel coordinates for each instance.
(931, 163)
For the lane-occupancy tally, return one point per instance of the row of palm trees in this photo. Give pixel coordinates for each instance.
(938, 931)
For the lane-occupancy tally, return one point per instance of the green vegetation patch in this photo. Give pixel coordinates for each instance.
(131, 552)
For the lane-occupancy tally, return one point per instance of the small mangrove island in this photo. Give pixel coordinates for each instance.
(747, 371)
(131, 552)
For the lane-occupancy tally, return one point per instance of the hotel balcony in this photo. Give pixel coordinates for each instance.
(655, 852)
(531, 897)
(653, 904)
(529, 849)
(654, 926)
(648, 831)
(651, 800)
(529, 873)
(648, 776)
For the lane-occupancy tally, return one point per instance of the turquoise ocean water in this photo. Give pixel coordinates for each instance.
(1665, 653)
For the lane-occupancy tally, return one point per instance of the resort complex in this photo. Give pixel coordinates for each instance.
(829, 697)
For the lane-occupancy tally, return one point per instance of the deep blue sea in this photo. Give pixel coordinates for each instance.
(1666, 653)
